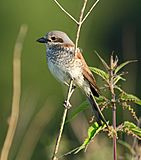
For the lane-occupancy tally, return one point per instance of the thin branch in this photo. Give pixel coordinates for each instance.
(71, 89)
(113, 100)
(81, 19)
(16, 92)
(60, 135)
(88, 13)
(67, 106)
(70, 152)
(66, 12)
(80, 24)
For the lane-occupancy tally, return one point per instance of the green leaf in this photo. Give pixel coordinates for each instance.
(100, 72)
(117, 78)
(83, 106)
(129, 98)
(103, 62)
(92, 132)
(123, 64)
(118, 88)
(132, 129)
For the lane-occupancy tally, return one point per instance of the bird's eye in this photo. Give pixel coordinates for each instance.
(53, 38)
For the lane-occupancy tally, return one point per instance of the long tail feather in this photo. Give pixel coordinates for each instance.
(98, 114)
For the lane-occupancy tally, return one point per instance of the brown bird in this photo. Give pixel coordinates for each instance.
(66, 64)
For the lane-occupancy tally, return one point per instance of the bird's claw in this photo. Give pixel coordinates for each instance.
(67, 104)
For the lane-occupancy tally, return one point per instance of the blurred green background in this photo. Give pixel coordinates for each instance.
(112, 26)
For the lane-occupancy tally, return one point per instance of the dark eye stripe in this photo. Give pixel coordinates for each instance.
(53, 38)
(59, 40)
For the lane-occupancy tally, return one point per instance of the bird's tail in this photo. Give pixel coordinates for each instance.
(97, 113)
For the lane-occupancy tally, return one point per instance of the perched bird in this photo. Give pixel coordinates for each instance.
(66, 64)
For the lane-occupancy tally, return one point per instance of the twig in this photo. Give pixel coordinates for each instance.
(70, 152)
(113, 100)
(80, 24)
(81, 21)
(16, 92)
(66, 12)
(88, 13)
(67, 106)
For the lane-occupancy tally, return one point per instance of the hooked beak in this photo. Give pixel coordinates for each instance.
(42, 40)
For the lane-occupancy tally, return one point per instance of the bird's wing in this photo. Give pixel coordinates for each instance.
(88, 74)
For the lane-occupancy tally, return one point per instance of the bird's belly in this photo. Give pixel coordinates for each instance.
(64, 73)
(58, 73)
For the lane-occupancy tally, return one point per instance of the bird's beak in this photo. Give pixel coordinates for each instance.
(42, 40)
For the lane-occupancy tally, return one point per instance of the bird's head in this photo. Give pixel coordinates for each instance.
(55, 38)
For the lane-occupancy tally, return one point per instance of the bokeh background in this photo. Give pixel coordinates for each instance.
(112, 26)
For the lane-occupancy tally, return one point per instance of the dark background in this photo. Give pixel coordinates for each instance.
(114, 25)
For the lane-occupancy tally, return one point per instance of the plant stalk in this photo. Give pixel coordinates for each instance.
(67, 106)
(113, 100)
(16, 93)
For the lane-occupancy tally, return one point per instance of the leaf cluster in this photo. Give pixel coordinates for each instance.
(123, 99)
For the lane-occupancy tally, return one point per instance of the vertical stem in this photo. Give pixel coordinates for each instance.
(80, 24)
(16, 93)
(113, 100)
(114, 126)
(67, 105)
(60, 134)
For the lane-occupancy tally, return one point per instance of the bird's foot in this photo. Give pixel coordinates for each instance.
(67, 104)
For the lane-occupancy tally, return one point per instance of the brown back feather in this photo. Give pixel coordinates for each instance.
(88, 75)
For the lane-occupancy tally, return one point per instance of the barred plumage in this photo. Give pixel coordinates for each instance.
(65, 65)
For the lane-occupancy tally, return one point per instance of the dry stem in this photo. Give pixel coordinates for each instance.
(67, 105)
(88, 13)
(80, 24)
(16, 92)
(68, 14)
(113, 100)
(81, 21)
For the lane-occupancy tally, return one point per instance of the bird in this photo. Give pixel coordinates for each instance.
(67, 63)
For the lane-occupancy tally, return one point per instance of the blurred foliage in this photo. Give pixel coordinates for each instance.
(112, 26)
(111, 78)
